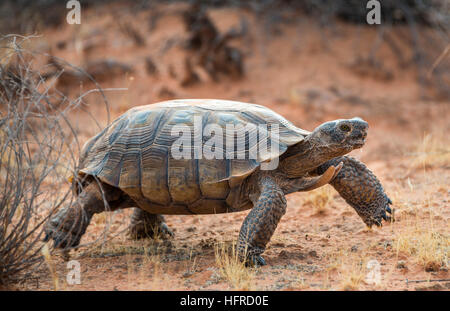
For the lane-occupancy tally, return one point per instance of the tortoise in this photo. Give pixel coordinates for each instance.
(133, 163)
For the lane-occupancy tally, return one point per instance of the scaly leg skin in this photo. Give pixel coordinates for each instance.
(146, 225)
(261, 222)
(69, 224)
(361, 189)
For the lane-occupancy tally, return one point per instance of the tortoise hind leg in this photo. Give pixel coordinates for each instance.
(147, 225)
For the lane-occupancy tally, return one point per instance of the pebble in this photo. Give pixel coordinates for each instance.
(313, 254)
(401, 264)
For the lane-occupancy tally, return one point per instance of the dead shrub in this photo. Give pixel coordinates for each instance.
(38, 148)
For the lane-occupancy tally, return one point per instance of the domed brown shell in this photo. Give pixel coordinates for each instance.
(134, 154)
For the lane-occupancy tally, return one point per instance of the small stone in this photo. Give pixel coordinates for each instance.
(166, 93)
(324, 228)
(187, 274)
(61, 45)
(401, 264)
(150, 66)
(283, 254)
(313, 254)
(387, 244)
(432, 267)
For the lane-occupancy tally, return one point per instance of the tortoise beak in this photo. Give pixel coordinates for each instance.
(359, 141)
(359, 132)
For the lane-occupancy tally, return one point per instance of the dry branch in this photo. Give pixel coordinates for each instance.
(38, 148)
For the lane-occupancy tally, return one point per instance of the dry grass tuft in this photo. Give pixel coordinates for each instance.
(151, 268)
(352, 271)
(320, 199)
(352, 279)
(432, 151)
(418, 238)
(124, 248)
(426, 247)
(49, 260)
(232, 269)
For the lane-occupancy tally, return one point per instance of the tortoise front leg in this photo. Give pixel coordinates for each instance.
(361, 189)
(261, 222)
(146, 225)
(68, 225)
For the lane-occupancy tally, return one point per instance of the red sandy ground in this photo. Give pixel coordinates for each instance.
(304, 73)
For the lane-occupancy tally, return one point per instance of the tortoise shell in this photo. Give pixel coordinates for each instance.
(134, 154)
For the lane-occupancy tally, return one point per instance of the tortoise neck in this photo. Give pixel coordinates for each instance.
(305, 156)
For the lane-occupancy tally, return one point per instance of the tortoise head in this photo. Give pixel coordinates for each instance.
(329, 140)
(341, 136)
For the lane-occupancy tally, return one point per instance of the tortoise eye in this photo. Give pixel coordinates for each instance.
(345, 128)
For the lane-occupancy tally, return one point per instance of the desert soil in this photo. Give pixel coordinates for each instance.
(309, 75)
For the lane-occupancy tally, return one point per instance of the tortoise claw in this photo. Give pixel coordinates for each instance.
(260, 261)
(388, 209)
(46, 238)
(378, 223)
(61, 237)
(255, 261)
(138, 231)
(58, 243)
(387, 218)
(166, 230)
(65, 241)
(384, 215)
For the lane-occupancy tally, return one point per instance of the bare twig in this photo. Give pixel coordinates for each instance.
(38, 151)
(438, 60)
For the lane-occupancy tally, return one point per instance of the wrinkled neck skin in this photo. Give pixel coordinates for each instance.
(307, 155)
